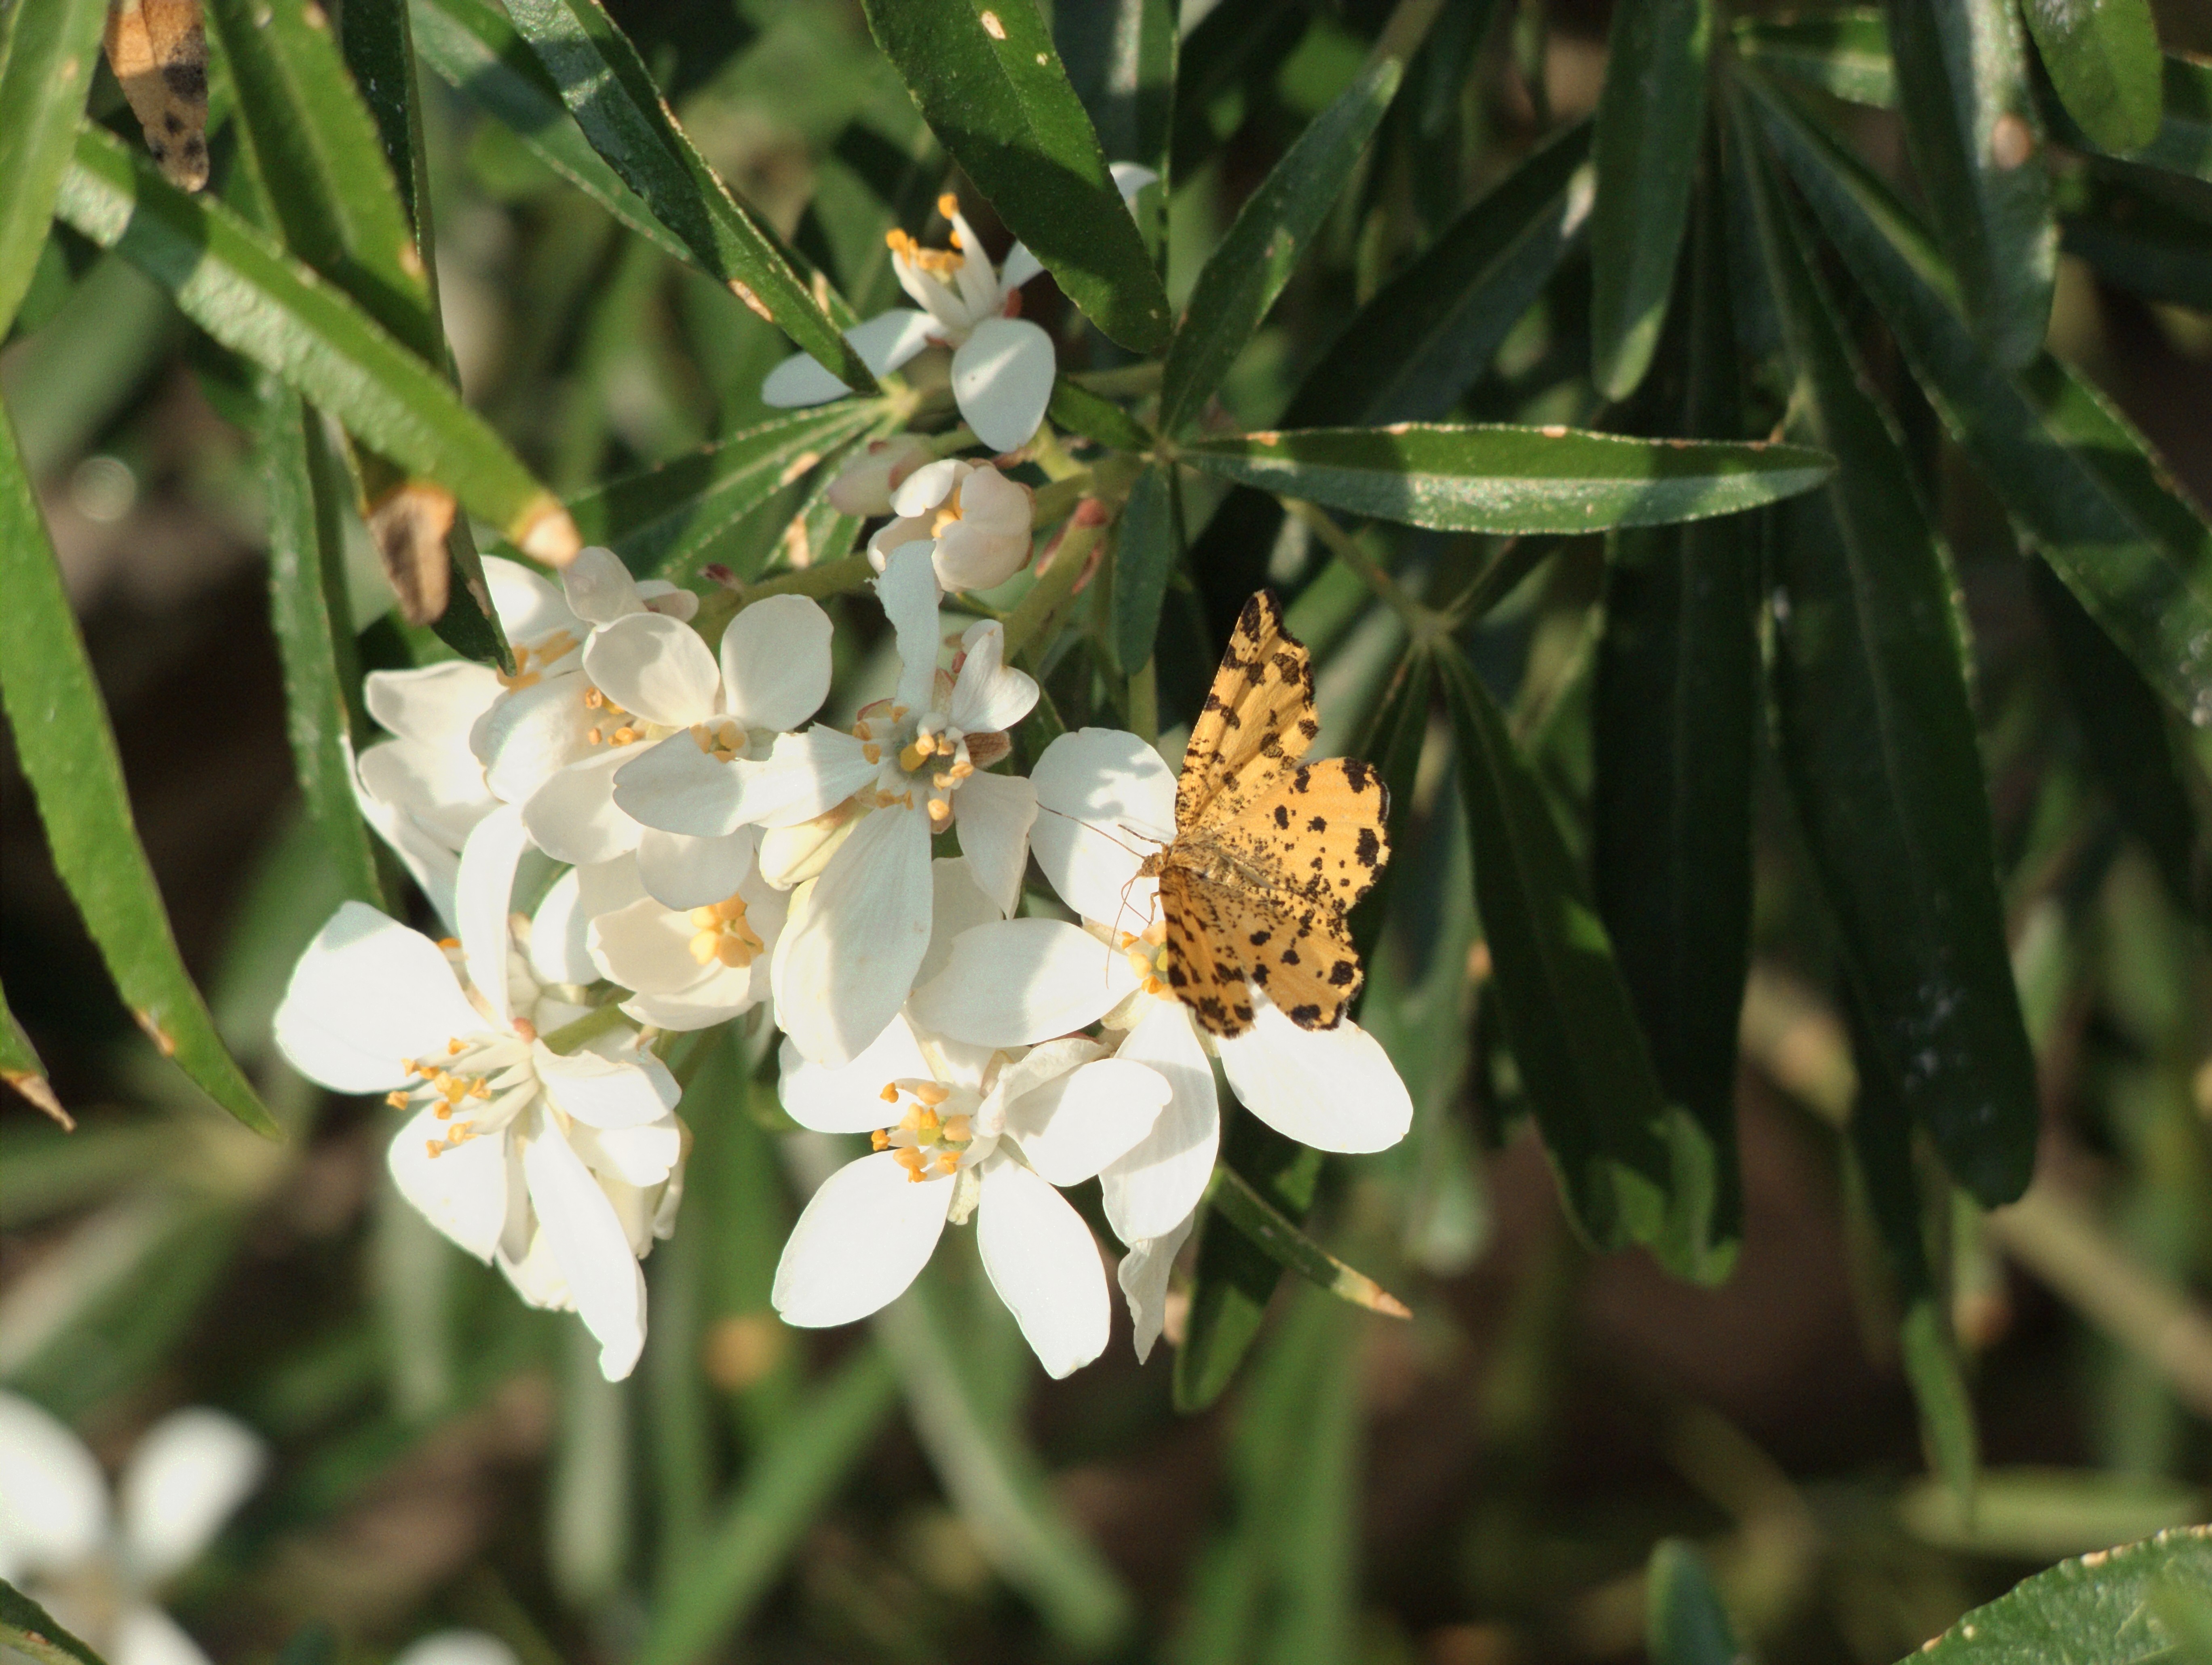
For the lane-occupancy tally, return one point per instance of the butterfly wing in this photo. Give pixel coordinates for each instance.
(1224, 940)
(1258, 718)
(1204, 968)
(1319, 835)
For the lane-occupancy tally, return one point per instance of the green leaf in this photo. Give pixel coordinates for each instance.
(1649, 113)
(1147, 549)
(2081, 484)
(1685, 1622)
(21, 1068)
(1243, 1203)
(1611, 1137)
(2183, 144)
(662, 522)
(1393, 742)
(1494, 477)
(2103, 61)
(2097, 1610)
(1079, 410)
(29, 1628)
(1233, 1277)
(714, 1591)
(1413, 350)
(475, 49)
(69, 756)
(1878, 742)
(314, 632)
(1970, 123)
(615, 100)
(1245, 273)
(1845, 53)
(1121, 60)
(46, 55)
(1674, 733)
(235, 284)
(2140, 242)
(2043, 1514)
(992, 89)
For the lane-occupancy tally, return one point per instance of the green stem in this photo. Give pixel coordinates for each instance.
(1346, 548)
(1055, 584)
(1052, 457)
(1144, 702)
(1520, 557)
(1125, 383)
(832, 578)
(1054, 502)
(573, 1036)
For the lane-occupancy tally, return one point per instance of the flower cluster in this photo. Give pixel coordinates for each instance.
(649, 828)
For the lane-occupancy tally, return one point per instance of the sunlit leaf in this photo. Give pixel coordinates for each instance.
(2103, 61)
(1845, 52)
(46, 56)
(30, 1630)
(21, 1069)
(1243, 1203)
(2093, 1611)
(1121, 60)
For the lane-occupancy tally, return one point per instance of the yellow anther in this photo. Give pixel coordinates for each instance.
(449, 942)
(917, 754)
(594, 698)
(455, 1047)
(913, 1162)
(889, 1094)
(941, 810)
(592, 736)
(948, 204)
(958, 1130)
(433, 1147)
(703, 946)
(931, 1093)
(704, 918)
(861, 731)
(396, 1099)
(625, 735)
(873, 753)
(879, 1140)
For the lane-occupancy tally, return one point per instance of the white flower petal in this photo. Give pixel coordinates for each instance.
(1019, 268)
(639, 1156)
(1018, 981)
(1334, 1089)
(433, 863)
(956, 904)
(188, 1476)
(606, 1092)
(684, 872)
(775, 662)
(53, 1499)
(592, 1247)
(457, 1648)
(1161, 1179)
(1106, 799)
(663, 597)
(847, 960)
(1131, 177)
(437, 705)
(908, 590)
(713, 999)
(929, 486)
(599, 588)
(884, 343)
(1044, 1264)
(441, 786)
(1002, 380)
(482, 897)
(864, 1237)
(654, 667)
(988, 695)
(798, 380)
(531, 732)
(849, 1098)
(462, 1191)
(560, 950)
(574, 816)
(528, 606)
(368, 996)
(675, 786)
(645, 947)
(144, 1635)
(995, 813)
(1073, 1125)
(1143, 1275)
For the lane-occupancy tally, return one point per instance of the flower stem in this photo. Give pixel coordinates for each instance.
(573, 1036)
(1057, 578)
(1052, 501)
(1122, 383)
(832, 578)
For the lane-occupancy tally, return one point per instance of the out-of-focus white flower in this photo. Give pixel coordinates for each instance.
(97, 1567)
(863, 486)
(1106, 798)
(563, 1167)
(975, 520)
(457, 1648)
(961, 1130)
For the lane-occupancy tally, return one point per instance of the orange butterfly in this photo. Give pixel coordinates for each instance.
(1269, 854)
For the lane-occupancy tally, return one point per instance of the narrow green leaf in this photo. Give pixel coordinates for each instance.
(1880, 1135)
(21, 1068)
(1121, 60)
(992, 89)
(1233, 1277)
(1245, 273)
(235, 284)
(1079, 410)
(2103, 61)
(1393, 742)
(2078, 480)
(2098, 1610)
(2184, 144)
(46, 55)
(476, 50)
(1879, 744)
(1493, 477)
(1685, 1622)
(615, 100)
(1649, 113)
(714, 1591)
(2141, 241)
(1845, 52)
(1674, 732)
(659, 520)
(314, 631)
(30, 1629)
(1242, 1202)
(69, 756)
(1413, 350)
(1970, 123)
(1237, 45)
(1606, 1127)
(1147, 549)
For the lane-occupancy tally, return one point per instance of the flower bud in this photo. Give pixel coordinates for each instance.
(865, 485)
(978, 519)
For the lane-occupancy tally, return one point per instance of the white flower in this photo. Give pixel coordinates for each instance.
(975, 520)
(456, 1648)
(1106, 798)
(863, 486)
(650, 694)
(97, 1566)
(960, 1129)
(1002, 365)
(691, 967)
(561, 1167)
